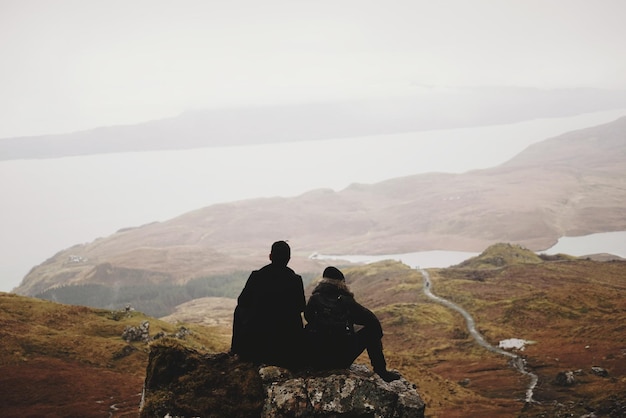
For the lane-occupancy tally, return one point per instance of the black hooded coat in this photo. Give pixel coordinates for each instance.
(331, 314)
(267, 323)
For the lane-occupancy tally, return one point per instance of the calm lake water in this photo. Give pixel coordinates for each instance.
(52, 204)
(608, 242)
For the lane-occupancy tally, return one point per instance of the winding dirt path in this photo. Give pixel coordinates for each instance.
(519, 363)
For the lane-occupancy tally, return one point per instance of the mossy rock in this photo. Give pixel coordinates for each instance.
(184, 382)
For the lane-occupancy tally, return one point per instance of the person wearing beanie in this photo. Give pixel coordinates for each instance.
(267, 322)
(331, 314)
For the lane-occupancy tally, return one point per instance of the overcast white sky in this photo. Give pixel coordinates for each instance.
(69, 65)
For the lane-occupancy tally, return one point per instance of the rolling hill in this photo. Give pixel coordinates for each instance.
(63, 360)
(572, 310)
(429, 108)
(573, 184)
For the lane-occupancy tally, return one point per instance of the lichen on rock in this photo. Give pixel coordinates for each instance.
(185, 383)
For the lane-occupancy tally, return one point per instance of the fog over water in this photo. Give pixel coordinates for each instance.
(57, 203)
(71, 65)
(74, 65)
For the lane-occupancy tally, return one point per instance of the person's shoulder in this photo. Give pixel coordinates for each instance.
(291, 272)
(315, 298)
(348, 297)
(257, 275)
(263, 270)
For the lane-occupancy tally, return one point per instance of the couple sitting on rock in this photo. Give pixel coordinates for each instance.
(268, 325)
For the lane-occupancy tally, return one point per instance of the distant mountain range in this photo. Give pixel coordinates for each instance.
(573, 184)
(432, 108)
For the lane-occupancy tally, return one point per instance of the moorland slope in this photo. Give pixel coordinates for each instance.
(573, 311)
(570, 185)
(63, 360)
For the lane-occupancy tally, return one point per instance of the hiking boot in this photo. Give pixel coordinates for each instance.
(388, 375)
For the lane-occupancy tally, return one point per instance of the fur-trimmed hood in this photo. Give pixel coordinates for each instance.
(327, 285)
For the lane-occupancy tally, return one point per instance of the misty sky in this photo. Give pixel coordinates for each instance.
(69, 65)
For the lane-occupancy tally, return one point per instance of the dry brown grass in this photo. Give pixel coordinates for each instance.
(61, 360)
(563, 306)
(574, 310)
(209, 311)
(567, 186)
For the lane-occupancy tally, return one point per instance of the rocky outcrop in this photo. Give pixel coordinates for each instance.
(569, 378)
(185, 383)
(565, 378)
(140, 333)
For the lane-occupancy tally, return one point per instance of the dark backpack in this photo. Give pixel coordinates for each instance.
(333, 315)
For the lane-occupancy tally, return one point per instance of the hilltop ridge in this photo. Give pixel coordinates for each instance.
(433, 108)
(572, 311)
(501, 255)
(532, 201)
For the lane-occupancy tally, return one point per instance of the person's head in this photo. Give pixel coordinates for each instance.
(281, 253)
(332, 276)
(333, 273)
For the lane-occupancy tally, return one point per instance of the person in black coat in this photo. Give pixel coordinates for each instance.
(331, 314)
(267, 322)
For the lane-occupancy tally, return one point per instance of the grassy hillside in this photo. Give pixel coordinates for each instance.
(565, 186)
(62, 360)
(155, 299)
(420, 335)
(573, 311)
(74, 359)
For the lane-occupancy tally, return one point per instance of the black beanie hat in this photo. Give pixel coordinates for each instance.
(333, 273)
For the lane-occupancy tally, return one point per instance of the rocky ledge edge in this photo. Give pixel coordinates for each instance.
(182, 382)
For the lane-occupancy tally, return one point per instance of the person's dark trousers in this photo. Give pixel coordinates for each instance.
(366, 339)
(339, 351)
